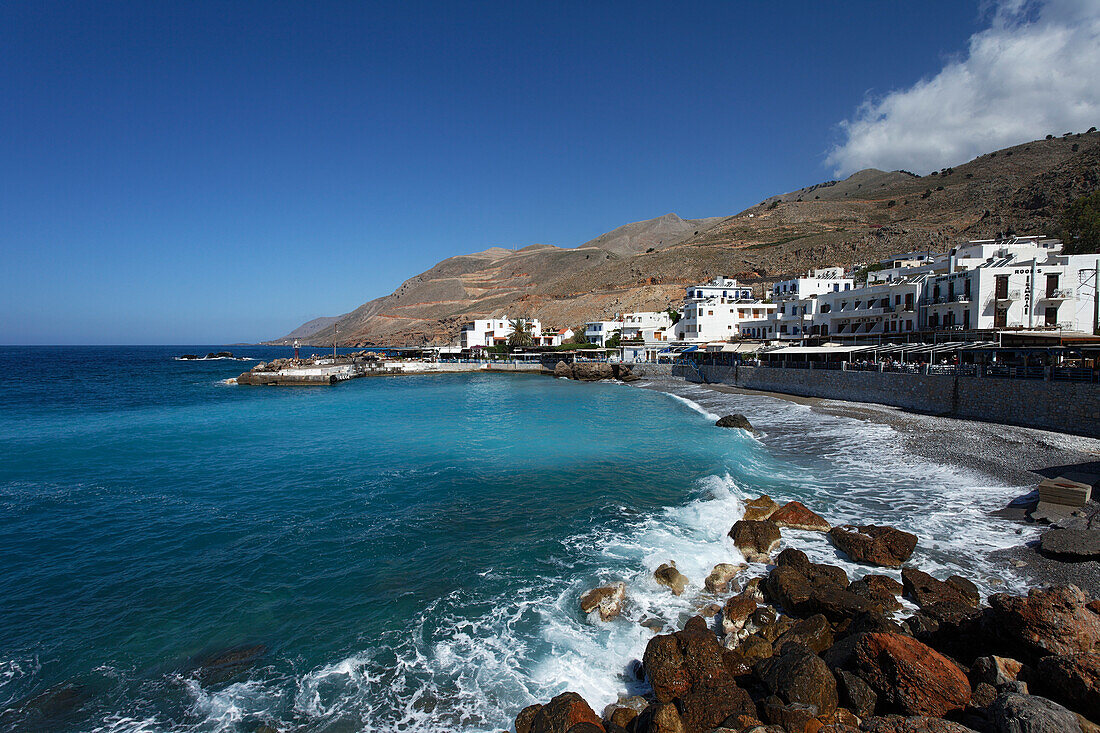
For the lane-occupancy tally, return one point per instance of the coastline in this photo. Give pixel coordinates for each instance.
(1015, 456)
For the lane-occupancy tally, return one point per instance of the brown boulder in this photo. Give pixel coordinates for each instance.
(814, 633)
(562, 713)
(668, 576)
(608, 600)
(735, 421)
(759, 509)
(798, 675)
(816, 572)
(795, 515)
(909, 675)
(802, 596)
(660, 718)
(592, 371)
(753, 648)
(736, 612)
(710, 702)
(1073, 680)
(674, 663)
(561, 369)
(995, 671)
(791, 717)
(953, 600)
(721, 576)
(665, 667)
(755, 540)
(526, 717)
(1058, 620)
(875, 590)
(873, 544)
(624, 711)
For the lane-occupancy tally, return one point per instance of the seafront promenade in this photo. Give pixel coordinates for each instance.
(964, 391)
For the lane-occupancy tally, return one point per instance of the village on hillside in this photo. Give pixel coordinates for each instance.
(1018, 293)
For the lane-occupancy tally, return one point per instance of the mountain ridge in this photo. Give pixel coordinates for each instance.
(645, 265)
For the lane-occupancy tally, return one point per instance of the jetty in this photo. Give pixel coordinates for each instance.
(329, 370)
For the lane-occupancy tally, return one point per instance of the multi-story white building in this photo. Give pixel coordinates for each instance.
(553, 337)
(716, 310)
(493, 331)
(880, 308)
(797, 304)
(646, 325)
(1012, 283)
(1053, 291)
(598, 332)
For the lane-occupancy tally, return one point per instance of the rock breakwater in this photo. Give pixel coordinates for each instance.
(806, 649)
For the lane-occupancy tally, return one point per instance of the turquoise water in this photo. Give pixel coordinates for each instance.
(393, 553)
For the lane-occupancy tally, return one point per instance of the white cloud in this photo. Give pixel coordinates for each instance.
(1035, 71)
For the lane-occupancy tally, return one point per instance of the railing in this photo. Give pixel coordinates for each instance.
(994, 371)
(1073, 374)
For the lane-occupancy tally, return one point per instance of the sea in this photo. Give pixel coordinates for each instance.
(178, 553)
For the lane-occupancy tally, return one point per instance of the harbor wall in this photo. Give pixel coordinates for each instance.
(1067, 407)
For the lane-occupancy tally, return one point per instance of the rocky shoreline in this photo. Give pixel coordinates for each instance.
(805, 648)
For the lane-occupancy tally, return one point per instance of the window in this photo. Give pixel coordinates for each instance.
(1001, 289)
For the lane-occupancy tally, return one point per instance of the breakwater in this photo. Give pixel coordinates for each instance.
(1068, 407)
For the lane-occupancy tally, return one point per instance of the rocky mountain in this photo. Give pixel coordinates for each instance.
(645, 265)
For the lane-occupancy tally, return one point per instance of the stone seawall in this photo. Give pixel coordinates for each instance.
(1067, 407)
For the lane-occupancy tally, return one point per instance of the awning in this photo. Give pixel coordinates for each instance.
(690, 348)
(819, 350)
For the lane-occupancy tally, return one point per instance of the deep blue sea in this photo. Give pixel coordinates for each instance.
(398, 553)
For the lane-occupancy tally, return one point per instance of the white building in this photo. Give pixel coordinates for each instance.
(553, 337)
(598, 332)
(1048, 291)
(1012, 283)
(716, 310)
(797, 304)
(493, 331)
(880, 308)
(647, 326)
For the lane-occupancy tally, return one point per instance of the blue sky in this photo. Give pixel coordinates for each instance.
(218, 172)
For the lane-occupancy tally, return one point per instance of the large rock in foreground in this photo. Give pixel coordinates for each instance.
(562, 713)
(798, 675)
(561, 369)
(690, 667)
(795, 515)
(1017, 713)
(873, 544)
(1058, 620)
(755, 540)
(913, 677)
(1073, 679)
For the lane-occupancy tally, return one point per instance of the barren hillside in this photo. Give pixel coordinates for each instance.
(644, 266)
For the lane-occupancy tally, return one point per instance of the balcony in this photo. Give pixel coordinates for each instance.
(1009, 296)
(1060, 294)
